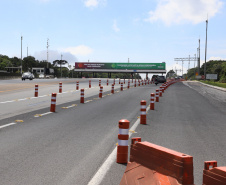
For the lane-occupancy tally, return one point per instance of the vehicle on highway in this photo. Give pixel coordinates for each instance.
(27, 75)
(161, 79)
(41, 76)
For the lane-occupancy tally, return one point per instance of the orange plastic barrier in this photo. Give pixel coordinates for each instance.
(214, 176)
(151, 164)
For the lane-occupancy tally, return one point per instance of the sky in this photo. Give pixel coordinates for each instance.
(145, 31)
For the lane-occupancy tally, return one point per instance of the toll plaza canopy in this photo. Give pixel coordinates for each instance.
(120, 67)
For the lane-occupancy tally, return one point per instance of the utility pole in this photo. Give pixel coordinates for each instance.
(47, 53)
(21, 52)
(206, 48)
(198, 59)
(60, 66)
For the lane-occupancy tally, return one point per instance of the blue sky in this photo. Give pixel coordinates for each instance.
(113, 30)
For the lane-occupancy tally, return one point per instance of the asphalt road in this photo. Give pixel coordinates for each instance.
(71, 145)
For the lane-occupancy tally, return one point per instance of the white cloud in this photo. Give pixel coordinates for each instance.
(79, 50)
(55, 55)
(91, 3)
(180, 11)
(115, 27)
(94, 3)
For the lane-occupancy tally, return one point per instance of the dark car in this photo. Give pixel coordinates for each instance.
(161, 79)
(27, 75)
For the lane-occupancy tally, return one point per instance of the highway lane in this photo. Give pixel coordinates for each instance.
(187, 121)
(69, 146)
(18, 101)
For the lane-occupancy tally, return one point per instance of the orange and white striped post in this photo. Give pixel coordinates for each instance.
(101, 91)
(142, 82)
(89, 83)
(152, 103)
(143, 116)
(99, 83)
(112, 89)
(107, 82)
(60, 87)
(132, 80)
(77, 85)
(135, 83)
(123, 137)
(121, 86)
(114, 81)
(124, 81)
(53, 102)
(160, 91)
(82, 96)
(119, 81)
(145, 82)
(138, 82)
(157, 95)
(163, 88)
(36, 90)
(128, 84)
(148, 81)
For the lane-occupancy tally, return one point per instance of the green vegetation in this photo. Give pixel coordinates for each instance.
(212, 67)
(218, 84)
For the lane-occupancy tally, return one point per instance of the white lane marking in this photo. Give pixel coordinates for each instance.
(39, 115)
(100, 174)
(3, 126)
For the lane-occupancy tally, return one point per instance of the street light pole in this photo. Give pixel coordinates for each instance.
(21, 52)
(60, 66)
(205, 49)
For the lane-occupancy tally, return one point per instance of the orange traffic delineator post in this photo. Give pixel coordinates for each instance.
(119, 81)
(36, 90)
(128, 84)
(135, 84)
(53, 102)
(112, 89)
(82, 96)
(214, 176)
(107, 82)
(101, 91)
(152, 103)
(121, 86)
(138, 82)
(154, 164)
(123, 137)
(142, 82)
(124, 81)
(114, 81)
(60, 87)
(160, 92)
(132, 80)
(77, 85)
(89, 83)
(99, 83)
(145, 82)
(162, 88)
(157, 95)
(143, 117)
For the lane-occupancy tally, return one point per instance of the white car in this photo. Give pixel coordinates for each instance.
(27, 75)
(41, 76)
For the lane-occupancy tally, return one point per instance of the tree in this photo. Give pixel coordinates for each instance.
(59, 62)
(170, 74)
